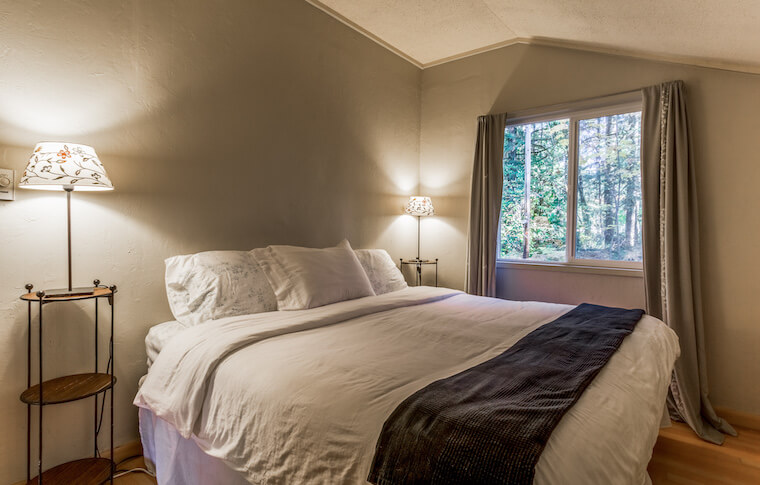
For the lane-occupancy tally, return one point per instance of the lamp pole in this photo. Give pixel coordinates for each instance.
(418, 238)
(69, 189)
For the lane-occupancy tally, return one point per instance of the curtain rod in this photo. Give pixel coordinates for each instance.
(624, 97)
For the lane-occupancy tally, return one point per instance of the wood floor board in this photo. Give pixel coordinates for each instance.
(681, 458)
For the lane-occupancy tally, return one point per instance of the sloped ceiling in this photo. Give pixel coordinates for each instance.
(716, 33)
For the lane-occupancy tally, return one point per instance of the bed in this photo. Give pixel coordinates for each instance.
(301, 396)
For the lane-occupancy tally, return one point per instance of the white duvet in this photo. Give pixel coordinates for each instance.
(300, 397)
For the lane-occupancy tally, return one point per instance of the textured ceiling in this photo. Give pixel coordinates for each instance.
(724, 33)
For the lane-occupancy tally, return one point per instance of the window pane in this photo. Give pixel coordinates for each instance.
(608, 219)
(534, 199)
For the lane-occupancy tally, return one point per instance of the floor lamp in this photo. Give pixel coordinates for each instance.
(67, 167)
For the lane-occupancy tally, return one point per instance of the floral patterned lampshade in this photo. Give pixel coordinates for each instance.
(420, 206)
(64, 166)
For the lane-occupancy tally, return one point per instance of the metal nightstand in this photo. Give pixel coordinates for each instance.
(419, 263)
(63, 389)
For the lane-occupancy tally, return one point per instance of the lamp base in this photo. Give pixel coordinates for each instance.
(87, 290)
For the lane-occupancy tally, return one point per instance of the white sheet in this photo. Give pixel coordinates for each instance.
(158, 336)
(306, 402)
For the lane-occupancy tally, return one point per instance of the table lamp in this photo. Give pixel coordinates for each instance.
(67, 167)
(419, 206)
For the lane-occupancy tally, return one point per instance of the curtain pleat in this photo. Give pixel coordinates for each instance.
(671, 251)
(485, 205)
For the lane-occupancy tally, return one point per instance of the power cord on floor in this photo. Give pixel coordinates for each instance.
(121, 473)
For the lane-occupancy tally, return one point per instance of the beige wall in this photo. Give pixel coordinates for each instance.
(227, 124)
(724, 109)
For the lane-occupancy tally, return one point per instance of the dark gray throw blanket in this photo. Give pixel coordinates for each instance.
(489, 424)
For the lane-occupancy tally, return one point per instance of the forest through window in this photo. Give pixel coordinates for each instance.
(572, 189)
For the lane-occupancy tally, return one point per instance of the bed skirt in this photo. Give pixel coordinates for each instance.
(179, 461)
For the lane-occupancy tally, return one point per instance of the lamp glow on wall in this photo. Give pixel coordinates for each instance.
(421, 207)
(66, 167)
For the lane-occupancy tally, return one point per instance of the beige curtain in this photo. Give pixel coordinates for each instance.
(485, 206)
(671, 251)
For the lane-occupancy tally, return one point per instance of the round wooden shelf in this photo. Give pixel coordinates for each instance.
(98, 293)
(68, 388)
(89, 471)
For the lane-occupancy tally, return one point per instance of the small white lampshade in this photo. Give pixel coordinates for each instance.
(420, 206)
(61, 166)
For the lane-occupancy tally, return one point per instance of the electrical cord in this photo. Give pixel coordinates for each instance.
(121, 473)
(118, 473)
(108, 371)
(103, 401)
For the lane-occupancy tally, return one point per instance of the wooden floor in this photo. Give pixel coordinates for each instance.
(681, 458)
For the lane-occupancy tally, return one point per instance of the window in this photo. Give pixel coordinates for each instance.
(572, 188)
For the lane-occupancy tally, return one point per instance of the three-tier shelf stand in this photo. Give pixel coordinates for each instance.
(95, 470)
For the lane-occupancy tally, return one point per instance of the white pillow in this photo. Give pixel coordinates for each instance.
(216, 284)
(306, 278)
(381, 270)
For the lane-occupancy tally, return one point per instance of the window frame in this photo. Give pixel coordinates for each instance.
(574, 113)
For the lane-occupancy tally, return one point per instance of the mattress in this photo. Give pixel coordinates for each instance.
(300, 397)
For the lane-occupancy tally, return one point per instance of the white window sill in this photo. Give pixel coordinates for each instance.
(570, 268)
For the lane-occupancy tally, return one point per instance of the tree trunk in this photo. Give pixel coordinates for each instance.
(607, 195)
(636, 229)
(629, 216)
(526, 220)
(584, 213)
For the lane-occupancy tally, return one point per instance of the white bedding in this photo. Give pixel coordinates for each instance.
(300, 397)
(158, 336)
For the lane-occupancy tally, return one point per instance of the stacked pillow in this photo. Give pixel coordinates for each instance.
(381, 270)
(217, 284)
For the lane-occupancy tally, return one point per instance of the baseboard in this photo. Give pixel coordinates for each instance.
(739, 418)
(120, 453)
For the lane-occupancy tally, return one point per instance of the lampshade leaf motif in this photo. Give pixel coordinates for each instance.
(57, 165)
(420, 206)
